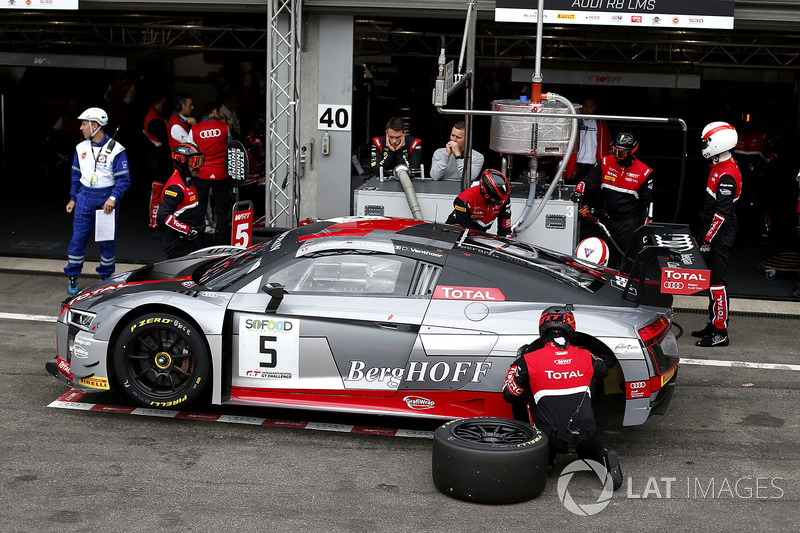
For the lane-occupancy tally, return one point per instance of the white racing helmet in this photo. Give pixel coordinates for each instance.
(718, 137)
(593, 250)
(95, 114)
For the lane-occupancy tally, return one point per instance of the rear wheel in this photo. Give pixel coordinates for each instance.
(490, 460)
(161, 361)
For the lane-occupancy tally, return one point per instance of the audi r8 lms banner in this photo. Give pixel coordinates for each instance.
(716, 14)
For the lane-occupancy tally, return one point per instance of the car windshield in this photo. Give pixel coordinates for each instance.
(227, 270)
(566, 269)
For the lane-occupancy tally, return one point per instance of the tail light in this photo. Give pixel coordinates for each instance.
(656, 343)
(654, 331)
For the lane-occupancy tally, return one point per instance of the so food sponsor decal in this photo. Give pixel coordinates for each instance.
(268, 348)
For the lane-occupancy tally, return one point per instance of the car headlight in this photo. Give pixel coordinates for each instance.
(81, 319)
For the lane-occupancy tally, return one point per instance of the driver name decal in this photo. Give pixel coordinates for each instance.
(443, 292)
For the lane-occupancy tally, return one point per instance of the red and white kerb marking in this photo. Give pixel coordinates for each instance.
(69, 400)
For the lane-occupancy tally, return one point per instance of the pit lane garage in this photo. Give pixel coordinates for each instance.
(366, 315)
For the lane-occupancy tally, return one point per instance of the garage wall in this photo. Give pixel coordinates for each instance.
(335, 89)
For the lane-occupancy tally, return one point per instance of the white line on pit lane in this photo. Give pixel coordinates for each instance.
(700, 362)
(739, 364)
(22, 316)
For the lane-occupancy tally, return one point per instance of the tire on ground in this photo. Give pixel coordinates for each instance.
(490, 460)
(161, 361)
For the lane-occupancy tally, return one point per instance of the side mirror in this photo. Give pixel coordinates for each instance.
(276, 293)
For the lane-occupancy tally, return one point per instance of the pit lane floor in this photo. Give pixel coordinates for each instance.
(725, 457)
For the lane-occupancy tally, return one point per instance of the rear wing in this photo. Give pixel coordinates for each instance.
(662, 260)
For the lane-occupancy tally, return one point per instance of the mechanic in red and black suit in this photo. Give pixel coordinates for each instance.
(212, 136)
(756, 154)
(718, 218)
(626, 190)
(477, 207)
(179, 212)
(550, 387)
(158, 152)
(395, 148)
(181, 120)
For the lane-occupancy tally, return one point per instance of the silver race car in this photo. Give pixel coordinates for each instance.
(372, 315)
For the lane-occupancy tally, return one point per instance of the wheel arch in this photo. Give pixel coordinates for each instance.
(144, 310)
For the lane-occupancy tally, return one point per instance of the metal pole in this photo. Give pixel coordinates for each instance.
(466, 175)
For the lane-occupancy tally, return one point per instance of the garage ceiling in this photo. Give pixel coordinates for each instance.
(765, 36)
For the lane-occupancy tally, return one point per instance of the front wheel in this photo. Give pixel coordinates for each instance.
(161, 361)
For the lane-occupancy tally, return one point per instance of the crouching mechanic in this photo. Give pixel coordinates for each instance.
(477, 207)
(553, 382)
(179, 212)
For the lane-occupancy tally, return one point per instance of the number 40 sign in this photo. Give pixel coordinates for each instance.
(333, 117)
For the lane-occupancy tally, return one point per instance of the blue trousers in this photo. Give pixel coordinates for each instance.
(87, 202)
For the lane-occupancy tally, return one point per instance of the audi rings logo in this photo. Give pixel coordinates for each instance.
(678, 285)
(206, 134)
(586, 509)
(637, 384)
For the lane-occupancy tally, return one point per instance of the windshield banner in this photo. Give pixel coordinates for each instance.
(717, 14)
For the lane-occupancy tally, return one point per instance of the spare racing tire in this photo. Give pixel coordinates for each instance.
(490, 460)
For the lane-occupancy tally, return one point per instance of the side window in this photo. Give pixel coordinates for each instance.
(346, 274)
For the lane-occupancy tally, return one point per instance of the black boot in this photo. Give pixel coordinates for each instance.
(613, 468)
(718, 337)
(705, 332)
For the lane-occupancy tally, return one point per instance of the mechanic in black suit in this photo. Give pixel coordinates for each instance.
(554, 383)
(395, 148)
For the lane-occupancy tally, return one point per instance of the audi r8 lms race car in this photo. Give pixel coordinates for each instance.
(369, 315)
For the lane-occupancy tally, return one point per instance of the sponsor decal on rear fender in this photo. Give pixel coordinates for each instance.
(443, 292)
(637, 389)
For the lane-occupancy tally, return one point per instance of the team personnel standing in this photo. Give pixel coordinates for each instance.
(155, 130)
(477, 207)
(179, 211)
(181, 120)
(448, 162)
(99, 179)
(718, 218)
(554, 383)
(594, 139)
(626, 189)
(395, 148)
(212, 135)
